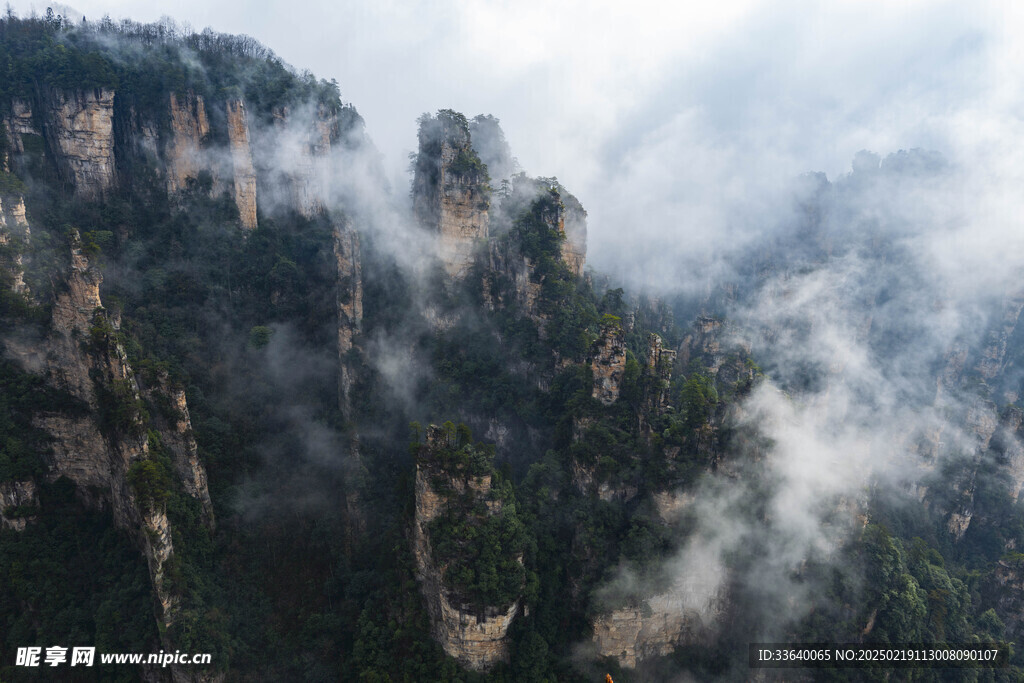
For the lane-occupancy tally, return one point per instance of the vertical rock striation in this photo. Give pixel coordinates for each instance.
(664, 622)
(99, 449)
(80, 130)
(189, 127)
(350, 307)
(14, 229)
(451, 195)
(574, 227)
(659, 367)
(608, 362)
(19, 122)
(241, 159)
(477, 638)
(306, 143)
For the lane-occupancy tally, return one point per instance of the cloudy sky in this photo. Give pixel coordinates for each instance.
(659, 116)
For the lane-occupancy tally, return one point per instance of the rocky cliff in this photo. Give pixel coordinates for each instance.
(105, 450)
(573, 225)
(608, 361)
(17, 123)
(241, 158)
(80, 130)
(304, 142)
(684, 615)
(993, 355)
(1011, 448)
(478, 638)
(1007, 583)
(350, 307)
(660, 361)
(15, 234)
(183, 155)
(18, 499)
(451, 195)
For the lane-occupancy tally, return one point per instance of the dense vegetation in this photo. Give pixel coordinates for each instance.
(309, 574)
(72, 578)
(479, 540)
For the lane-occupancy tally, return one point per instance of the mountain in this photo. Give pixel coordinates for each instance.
(241, 378)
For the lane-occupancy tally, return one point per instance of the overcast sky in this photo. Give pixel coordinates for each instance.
(658, 115)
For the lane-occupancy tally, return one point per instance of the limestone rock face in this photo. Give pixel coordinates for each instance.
(20, 220)
(98, 463)
(143, 136)
(505, 261)
(1008, 581)
(574, 226)
(477, 639)
(1012, 448)
(703, 342)
(680, 616)
(991, 363)
(307, 141)
(450, 191)
(670, 505)
(241, 158)
(14, 494)
(19, 122)
(80, 128)
(189, 126)
(350, 306)
(14, 227)
(982, 422)
(175, 426)
(630, 637)
(608, 363)
(586, 482)
(463, 222)
(81, 356)
(659, 365)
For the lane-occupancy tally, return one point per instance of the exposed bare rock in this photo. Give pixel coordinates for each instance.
(608, 362)
(143, 136)
(16, 499)
(587, 482)
(19, 219)
(574, 226)
(350, 307)
(497, 432)
(95, 449)
(241, 158)
(175, 426)
(680, 616)
(504, 260)
(450, 191)
(994, 354)
(1008, 580)
(19, 122)
(704, 343)
(670, 505)
(982, 422)
(189, 127)
(80, 129)
(952, 370)
(540, 199)
(308, 144)
(477, 638)
(659, 366)
(1008, 444)
(99, 464)
(14, 225)
(463, 223)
